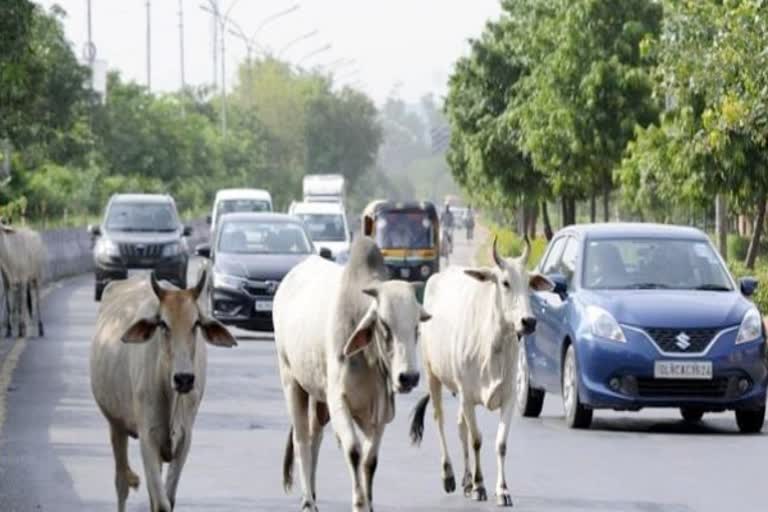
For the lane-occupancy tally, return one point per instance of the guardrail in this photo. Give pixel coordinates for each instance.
(70, 250)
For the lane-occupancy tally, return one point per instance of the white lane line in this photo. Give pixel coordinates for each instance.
(10, 363)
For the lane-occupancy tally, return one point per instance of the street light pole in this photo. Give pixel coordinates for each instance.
(313, 53)
(181, 43)
(149, 46)
(293, 42)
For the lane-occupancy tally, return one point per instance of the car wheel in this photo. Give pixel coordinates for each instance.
(750, 421)
(576, 414)
(530, 401)
(692, 414)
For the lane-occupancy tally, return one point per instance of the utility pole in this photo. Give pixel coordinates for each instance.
(224, 77)
(90, 52)
(215, 4)
(181, 43)
(149, 46)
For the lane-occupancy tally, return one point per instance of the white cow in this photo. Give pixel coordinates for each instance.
(22, 257)
(478, 315)
(345, 340)
(148, 367)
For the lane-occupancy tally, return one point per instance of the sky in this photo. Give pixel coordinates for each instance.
(405, 47)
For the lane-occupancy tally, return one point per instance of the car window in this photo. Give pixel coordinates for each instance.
(549, 265)
(262, 237)
(240, 205)
(567, 264)
(325, 227)
(141, 216)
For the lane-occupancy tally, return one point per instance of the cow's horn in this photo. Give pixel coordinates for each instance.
(498, 259)
(526, 250)
(159, 291)
(198, 289)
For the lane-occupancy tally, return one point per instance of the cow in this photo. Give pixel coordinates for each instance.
(346, 341)
(148, 367)
(22, 258)
(470, 347)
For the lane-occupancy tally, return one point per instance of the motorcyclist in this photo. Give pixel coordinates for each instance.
(469, 223)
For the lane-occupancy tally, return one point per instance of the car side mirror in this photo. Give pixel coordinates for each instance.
(748, 286)
(326, 253)
(187, 231)
(203, 250)
(94, 230)
(561, 284)
(208, 219)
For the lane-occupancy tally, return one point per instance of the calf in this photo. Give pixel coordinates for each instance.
(470, 347)
(148, 366)
(22, 256)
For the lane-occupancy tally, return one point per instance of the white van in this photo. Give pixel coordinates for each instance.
(230, 200)
(327, 226)
(323, 188)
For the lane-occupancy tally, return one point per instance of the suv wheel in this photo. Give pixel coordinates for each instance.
(750, 421)
(576, 414)
(530, 401)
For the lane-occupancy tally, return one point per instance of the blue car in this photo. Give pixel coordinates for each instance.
(643, 315)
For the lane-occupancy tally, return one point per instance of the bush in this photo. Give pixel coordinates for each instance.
(737, 247)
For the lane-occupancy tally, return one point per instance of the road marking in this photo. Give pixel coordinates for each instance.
(10, 363)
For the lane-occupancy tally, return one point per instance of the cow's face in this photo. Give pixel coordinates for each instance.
(513, 283)
(391, 325)
(176, 324)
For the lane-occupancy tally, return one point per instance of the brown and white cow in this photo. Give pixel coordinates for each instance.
(148, 369)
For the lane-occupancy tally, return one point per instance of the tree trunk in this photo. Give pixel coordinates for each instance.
(569, 211)
(548, 234)
(593, 208)
(563, 211)
(606, 201)
(756, 232)
(721, 224)
(533, 218)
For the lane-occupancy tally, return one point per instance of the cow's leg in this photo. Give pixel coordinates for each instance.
(371, 459)
(124, 477)
(343, 424)
(8, 299)
(319, 419)
(503, 497)
(35, 299)
(298, 407)
(436, 394)
(478, 487)
(466, 480)
(174, 469)
(153, 473)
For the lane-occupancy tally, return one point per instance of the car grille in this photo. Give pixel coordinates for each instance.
(133, 251)
(693, 341)
(661, 388)
(261, 288)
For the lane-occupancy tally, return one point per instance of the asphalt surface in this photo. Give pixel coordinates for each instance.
(55, 453)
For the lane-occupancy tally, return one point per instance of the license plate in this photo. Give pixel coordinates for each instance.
(683, 370)
(405, 272)
(263, 305)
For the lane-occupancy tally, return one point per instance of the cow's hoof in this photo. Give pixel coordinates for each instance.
(479, 494)
(466, 483)
(504, 500)
(307, 506)
(449, 484)
(41, 330)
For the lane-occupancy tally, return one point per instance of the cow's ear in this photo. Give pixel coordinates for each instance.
(540, 283)
(141, 331)
(481, 274)
(423, 315)
(363, 334)
(216, 334)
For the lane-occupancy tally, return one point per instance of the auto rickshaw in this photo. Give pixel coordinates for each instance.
(408, 234)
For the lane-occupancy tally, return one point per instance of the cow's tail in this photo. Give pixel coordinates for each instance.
(417, 421)
(288, 463)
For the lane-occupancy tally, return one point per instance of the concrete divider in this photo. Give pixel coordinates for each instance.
(70, 250)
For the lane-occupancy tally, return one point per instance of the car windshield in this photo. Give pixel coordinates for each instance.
(324, 227)
(241, 205)
(404, 229)
(654, 264)
(263, 237)
(138, 216)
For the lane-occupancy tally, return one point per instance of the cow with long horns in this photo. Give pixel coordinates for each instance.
(148, 368)
(470, 347)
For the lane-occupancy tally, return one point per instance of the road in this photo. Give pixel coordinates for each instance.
(55, 453)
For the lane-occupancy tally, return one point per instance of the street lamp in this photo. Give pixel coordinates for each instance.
(311, 54)
(338, 64)
(293, 42)
(251, 41)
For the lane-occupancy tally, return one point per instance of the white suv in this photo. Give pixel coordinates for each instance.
(327, 225)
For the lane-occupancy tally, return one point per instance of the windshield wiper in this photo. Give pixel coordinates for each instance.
(713, 287)
(647, 286)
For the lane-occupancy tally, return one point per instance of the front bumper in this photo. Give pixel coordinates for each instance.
(111, 268)
(237, 307)
(631, 365)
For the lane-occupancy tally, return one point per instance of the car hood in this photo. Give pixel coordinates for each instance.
(122, 237)
(670, 308)
(272, 267)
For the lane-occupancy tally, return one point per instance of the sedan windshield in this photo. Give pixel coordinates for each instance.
(124, 216)
(324, 227)
(263, 237)
(404, 230)
(646, 264)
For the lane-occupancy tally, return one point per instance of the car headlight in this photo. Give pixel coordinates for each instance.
(603, 325)
(751, 327)
(107, 248)
(425, 271)
(170, 250)
(226, 281)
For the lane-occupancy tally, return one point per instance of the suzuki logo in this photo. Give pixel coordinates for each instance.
(683, 341)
